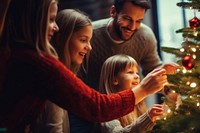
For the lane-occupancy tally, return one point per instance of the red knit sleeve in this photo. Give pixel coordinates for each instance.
(69, 92)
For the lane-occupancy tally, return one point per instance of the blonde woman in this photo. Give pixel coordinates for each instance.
(31, 73)
(72, 43)
(119, 73)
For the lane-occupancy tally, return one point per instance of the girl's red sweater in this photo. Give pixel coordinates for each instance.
(32, 78)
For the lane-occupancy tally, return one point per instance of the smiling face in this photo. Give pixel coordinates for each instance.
(127, 79)
(80, 44)
(127, 21)
(52, 26)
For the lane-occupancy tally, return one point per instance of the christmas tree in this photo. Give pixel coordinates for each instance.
(183, 115)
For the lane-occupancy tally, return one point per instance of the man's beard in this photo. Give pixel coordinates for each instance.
(119, 33)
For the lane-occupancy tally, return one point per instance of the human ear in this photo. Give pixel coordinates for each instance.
(113, 11)
(115, 82)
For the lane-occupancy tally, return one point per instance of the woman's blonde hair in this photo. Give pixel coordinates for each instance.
(26, 22)
(111, 67)
(69, 21)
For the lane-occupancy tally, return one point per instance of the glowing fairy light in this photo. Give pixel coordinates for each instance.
(193, 49)
(169, 110)
(194, 56)
(182, 49)
(193, 85)
(164, 118)
(191, 97)
(188, 83)
(184, 70)
(195, 33)
(198, 104)
(178, 70)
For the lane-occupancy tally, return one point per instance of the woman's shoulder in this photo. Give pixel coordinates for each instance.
(36, 60)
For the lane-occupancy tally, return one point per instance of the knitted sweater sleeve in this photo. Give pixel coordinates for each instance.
(141, 125)
(69, 92)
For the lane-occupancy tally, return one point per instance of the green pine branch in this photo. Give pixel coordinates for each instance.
(187, 30)
(190, 33)
(175, 51)
(178, 124)
(194, 4)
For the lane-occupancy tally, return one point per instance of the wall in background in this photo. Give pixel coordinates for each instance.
(96, 9)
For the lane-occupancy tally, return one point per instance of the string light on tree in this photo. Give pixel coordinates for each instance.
(193, 85)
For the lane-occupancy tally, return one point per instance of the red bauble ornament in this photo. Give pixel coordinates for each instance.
(194, 23)
(188, 62)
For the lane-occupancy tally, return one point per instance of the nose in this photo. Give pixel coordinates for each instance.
(132, 26)
(89, 47)
(136, 76)
(56, 28)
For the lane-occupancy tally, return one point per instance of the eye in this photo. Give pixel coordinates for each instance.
(83, 40)
(139, 21)
(127, 18)
(131, 72)
(52, 19)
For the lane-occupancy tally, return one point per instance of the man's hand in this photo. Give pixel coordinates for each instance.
(170, 67)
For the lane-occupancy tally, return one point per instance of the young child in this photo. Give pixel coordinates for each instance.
(120, 72)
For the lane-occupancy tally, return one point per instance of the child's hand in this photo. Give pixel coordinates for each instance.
(155, 111)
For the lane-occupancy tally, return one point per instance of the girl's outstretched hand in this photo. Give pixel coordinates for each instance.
(151, 84)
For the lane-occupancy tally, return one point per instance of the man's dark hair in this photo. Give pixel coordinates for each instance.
(146, 4)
